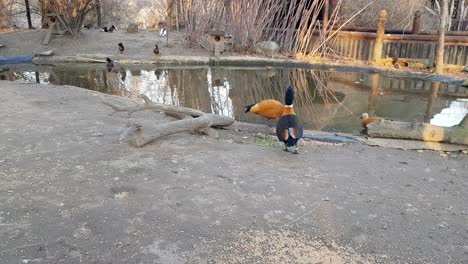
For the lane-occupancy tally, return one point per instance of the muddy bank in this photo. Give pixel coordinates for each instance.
(70, 192)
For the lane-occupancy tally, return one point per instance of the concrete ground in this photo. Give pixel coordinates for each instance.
(137, 45)
(71, 193)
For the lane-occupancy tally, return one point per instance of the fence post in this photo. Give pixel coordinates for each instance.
(416, 22)
(378, 46)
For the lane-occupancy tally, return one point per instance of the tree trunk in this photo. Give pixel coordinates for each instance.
(227, 13)
(439, 60)
(42, 4)
(28, 13)
(99, 15)
(170, 14)
(177, 14)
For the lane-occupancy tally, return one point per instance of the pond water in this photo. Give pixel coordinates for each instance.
(326, 100)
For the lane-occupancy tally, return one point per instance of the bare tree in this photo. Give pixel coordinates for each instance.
(28, 13)
(5, 12)
(99, 13)
(71, 12)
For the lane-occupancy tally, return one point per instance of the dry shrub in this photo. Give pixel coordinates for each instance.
(400, 13)
(200, 17)
(457, 15)
(73, 12)
(6, 13)
(291, 24)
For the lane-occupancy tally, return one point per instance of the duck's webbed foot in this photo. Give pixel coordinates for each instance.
(295, 150)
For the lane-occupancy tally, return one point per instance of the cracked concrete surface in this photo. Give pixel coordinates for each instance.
(71, 193)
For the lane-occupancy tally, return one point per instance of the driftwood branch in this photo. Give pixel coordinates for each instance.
(418, 131)
(145, 132)
(140, 133)
(169, 109)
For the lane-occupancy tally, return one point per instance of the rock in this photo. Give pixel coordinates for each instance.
(371, 217)
(465, 69)
(268, 48)
(46, 53)
(465, 83)
(75, 254)
(132, 28)
(443, 225)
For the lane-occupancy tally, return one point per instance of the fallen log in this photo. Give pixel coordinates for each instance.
(142, 132)
(418, 131)
(147, 131)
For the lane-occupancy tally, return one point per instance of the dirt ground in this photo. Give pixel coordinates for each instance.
(71, 193)
(137, 45)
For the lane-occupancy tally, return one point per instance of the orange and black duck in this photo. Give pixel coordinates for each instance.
(366, 120)
(289, 128)
(270, 109)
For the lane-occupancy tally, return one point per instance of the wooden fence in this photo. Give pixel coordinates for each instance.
(414, 44)
(360, 43)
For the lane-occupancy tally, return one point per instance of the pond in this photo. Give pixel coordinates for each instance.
(327, 100)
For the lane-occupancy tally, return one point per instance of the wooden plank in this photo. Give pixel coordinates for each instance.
(449, 40)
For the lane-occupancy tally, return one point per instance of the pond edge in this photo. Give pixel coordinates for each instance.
(247, 62)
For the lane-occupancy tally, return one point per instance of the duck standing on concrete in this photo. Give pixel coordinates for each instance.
(163, 32)
(156, 52)
(121, 48)
(289, 128)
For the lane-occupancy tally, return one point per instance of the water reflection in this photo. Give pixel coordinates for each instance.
(325, 100)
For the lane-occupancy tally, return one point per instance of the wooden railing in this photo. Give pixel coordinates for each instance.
(360, 43)
(375, 44)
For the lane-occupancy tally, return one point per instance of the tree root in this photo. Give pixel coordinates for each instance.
(143, 132)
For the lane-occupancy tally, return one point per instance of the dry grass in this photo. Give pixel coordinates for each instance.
(6, 13)
(399, 18)
(292, 24)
